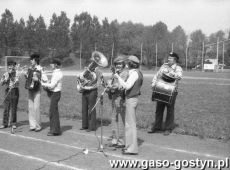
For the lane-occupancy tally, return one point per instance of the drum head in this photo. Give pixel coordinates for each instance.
(167, 78)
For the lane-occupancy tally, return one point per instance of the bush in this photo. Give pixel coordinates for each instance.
(68, 62)
(45, 61)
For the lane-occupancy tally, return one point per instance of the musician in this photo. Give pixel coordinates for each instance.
(89, 97)
(173, 70)
(11, 80)
(55, 86)
(117, 95)
(132, 90)
(34, 76)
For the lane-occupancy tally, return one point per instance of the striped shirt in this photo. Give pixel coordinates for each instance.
(11, 80)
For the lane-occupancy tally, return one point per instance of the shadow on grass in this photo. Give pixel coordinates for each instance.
(140, 141)
(66, 128)
(22, 123)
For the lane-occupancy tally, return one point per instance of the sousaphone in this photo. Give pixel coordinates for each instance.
(98, 60)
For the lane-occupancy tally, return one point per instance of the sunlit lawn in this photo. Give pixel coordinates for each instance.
(202, 106)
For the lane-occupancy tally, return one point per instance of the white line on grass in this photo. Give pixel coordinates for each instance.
(75, 147)
(39, 159)
(161, 147)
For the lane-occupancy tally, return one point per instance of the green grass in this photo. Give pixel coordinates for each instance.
(202, 106)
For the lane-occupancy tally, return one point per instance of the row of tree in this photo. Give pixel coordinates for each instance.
(111, 38)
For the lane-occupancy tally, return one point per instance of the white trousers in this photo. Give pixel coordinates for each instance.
(34, 109)
(130, 125)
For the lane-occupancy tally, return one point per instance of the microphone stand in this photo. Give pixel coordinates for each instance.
(101, 111)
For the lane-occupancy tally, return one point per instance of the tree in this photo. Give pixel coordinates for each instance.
(7, 38)
(160, 36)
(30, 35)
(81, 32)
(41, 36)
(58, 31)
(195, 52)
(179, 39)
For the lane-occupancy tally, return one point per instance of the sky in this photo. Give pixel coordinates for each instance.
(207, 15)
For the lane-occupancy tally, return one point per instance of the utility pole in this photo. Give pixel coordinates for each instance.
(80, 53)
(223, 58)
(202, 62)
(141, 53)
(156, 56)
(112, 55)
(217, 54)
(186, 57)
(172, 47)
(95, 47)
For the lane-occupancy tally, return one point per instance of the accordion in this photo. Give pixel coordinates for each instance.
(30, 83)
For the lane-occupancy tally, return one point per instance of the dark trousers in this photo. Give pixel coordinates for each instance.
(10, 103)
(169, 122)
(54, 114)
(89, 98)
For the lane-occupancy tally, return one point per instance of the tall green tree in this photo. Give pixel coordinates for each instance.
(81, 32)
(30, 35)
(195, 52)
(160, 35)
(179, 39)
(41, 35)
(7, 33)
(59, 39)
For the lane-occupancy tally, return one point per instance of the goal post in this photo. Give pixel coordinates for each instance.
(20, 60)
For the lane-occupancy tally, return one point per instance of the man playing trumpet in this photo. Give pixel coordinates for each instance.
(174, 71)
(116, 94)
(11, 80)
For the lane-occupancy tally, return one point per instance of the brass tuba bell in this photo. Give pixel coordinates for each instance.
(98, 59)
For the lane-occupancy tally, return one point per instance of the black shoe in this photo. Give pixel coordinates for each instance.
(167, 132)
(128, 153)
(120, 146)
(38, 129)
(52, 134)
(3, 126)
(154, 131)
(112, 145)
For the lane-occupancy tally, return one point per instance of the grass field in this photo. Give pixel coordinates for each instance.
(202, 106)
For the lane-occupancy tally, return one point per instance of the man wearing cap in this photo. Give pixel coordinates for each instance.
(55, 86)
(35, 72)
(132, 88)
(116, 94)
(175, 71)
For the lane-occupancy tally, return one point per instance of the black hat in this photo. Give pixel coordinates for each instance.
(34, 56)
(56, 61)
(11, 63)
(172, 54)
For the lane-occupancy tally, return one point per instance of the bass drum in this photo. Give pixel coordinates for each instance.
(163, 91)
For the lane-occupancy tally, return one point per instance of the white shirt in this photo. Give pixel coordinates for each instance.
(56, 81)
(43, 75)
(132, 78)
